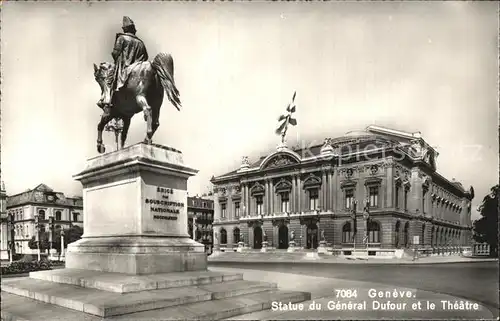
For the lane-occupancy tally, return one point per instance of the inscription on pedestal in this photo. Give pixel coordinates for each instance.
(164, 209)
(164, 203)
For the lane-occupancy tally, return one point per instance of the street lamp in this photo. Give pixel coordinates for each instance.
(62, 243)
(37, 233)
(11, 237)
(116, 126)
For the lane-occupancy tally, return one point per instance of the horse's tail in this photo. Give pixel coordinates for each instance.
(163, 65)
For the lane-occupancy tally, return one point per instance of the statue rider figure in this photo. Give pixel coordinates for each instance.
(127, 50)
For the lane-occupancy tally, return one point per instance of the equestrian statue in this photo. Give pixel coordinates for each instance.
(133, 84)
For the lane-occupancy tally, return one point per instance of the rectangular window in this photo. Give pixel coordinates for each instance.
(204, 204)
(406, 200)
(374, 236)
(237, 209)
(349, 198)
(285, 202)
(396, 197)
(58, 216)
(75, 217)
(373, 192)
(259, 200)
(313, 199)
(223, 210)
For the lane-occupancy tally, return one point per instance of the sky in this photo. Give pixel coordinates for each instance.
(415, 66)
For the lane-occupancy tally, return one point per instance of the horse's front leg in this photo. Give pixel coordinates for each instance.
(143, 103)
(126, 125)
(105, 118)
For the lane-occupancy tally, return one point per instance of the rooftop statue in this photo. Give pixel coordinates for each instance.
(287, 119)
(133, 84)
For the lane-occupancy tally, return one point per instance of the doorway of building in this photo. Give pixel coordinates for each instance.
(312, 236)
(283, 237)
(257, 237)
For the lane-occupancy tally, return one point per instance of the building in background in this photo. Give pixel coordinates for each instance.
(387, 177)
(200, 219)
(44, 202)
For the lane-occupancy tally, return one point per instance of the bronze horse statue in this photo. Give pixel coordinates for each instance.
(146, 83)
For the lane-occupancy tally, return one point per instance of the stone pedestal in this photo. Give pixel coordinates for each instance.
(135, 214)
(241, 247)
(322, 248)
(135, 257)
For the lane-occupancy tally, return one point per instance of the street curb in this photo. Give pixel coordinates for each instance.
(379, 262)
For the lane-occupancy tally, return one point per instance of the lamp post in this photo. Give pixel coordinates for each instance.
(62, 243)
(37, 233)
(366, 216)
(51, 233)
(11, 236)
(115, 126)
(355, 223)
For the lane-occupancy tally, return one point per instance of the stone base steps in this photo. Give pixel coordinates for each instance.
(111, 295)
(125, 283)
(20, 308)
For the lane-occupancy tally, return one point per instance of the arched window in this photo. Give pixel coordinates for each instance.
(58, 215)
(422, 235)
(346, 233)
(407, 234)
(223, 236)
(236, 235)
(41, 215)
(396, 232)
(373, 232)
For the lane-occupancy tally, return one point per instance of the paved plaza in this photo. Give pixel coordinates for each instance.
(472, 282)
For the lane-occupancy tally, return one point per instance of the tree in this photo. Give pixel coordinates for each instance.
(44, 244)
(71, 235)
(74, 233)
(486, 228)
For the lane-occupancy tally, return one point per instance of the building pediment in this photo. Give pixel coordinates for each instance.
(312, 181)
(373, 181)
(257, 189)
(348, 184)
(283, 186)
(280, 159)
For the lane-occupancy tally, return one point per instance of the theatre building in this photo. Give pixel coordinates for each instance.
(43, 202)
(386, 177)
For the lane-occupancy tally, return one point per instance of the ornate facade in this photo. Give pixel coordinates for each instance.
(200, 220)
(45, 203)
(388, 175)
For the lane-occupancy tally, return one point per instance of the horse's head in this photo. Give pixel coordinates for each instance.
(104, 75)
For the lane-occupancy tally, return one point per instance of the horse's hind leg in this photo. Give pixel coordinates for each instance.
(126, 125)
(155, 111)
(148, 116)
(105, 118)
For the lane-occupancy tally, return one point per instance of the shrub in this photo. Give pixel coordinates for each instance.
(20, 267)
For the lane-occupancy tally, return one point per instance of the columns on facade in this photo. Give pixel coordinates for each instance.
(265, 206)
(272, 197)
(324, 189)
(300, 193)
(293, 196)
(247, 199)
(331, 191)
(390, 187)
